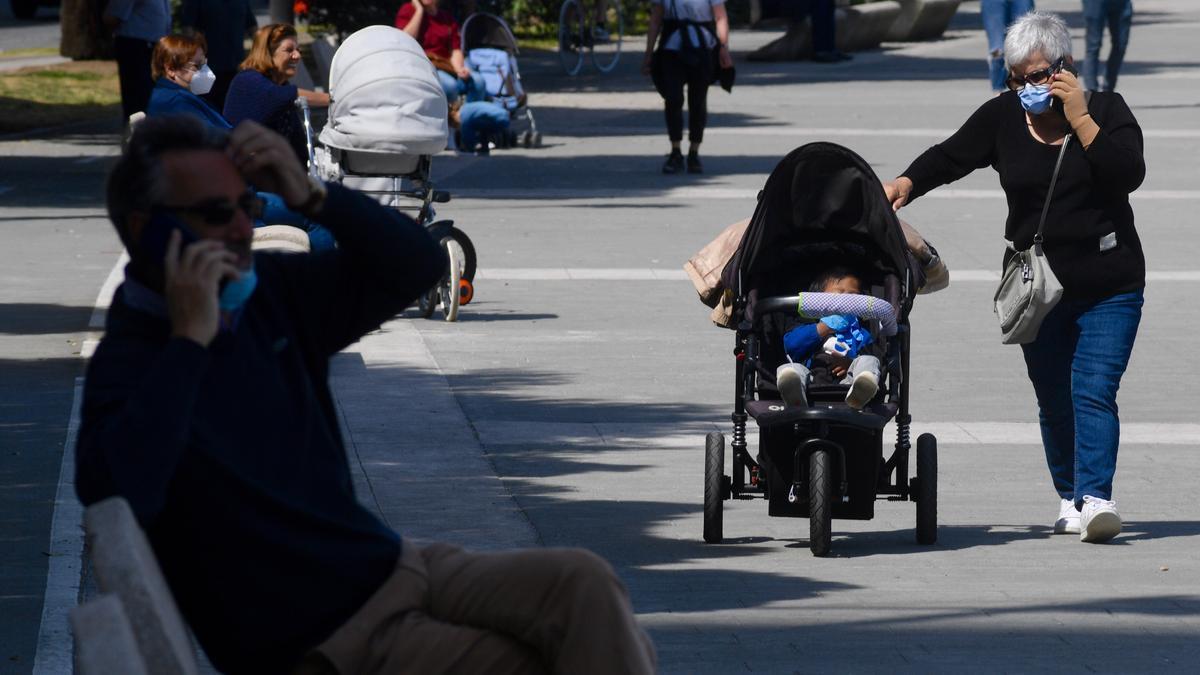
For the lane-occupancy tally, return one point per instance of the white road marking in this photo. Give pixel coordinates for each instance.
(747, 194)
(668, 274)
(54, 646)
(847, 132)
(115, 276)
(686, 436)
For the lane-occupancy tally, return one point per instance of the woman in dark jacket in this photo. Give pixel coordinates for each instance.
(262, 91)
(1081, 352)
(181, 76)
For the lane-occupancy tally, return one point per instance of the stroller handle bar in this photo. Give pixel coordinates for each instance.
(817, 305)
(301, 103)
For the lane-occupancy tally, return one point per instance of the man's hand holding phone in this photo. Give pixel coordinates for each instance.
(192, 280)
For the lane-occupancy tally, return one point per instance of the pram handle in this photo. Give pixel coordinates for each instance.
(817, 305)
(302, 104)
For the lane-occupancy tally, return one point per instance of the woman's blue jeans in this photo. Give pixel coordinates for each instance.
(998, 15)
(474, 87)
(1117, 15)
(1075, 365)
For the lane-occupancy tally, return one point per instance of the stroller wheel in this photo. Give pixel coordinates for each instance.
(527, 139)
(925, 490)
(449, 288)
(427, 303)
(537, 139)
(820, 501)
(466, 292)
(714, 469)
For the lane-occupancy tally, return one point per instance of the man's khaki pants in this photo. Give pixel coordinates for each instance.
(446, 610)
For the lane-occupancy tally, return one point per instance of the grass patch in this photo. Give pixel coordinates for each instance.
(47, 96)
(28, 52)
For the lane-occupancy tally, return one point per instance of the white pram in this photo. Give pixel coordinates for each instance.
(387, 118)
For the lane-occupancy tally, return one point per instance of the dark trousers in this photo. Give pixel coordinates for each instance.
(133, 70)
(821, 13)
(676, 74)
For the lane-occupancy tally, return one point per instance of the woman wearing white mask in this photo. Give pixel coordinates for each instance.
(181, 76)
(1080, 354)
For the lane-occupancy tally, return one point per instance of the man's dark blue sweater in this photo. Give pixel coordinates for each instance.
(231, 455)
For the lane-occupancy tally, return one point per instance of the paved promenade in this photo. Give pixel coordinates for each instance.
(568, 404)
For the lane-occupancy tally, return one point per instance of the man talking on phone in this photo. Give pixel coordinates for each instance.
(207, 407)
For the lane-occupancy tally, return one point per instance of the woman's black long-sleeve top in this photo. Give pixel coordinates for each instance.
(1091, 198)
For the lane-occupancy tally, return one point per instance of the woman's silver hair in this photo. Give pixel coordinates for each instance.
(1036, 33)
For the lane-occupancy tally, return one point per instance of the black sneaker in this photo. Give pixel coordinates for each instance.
(693, 163)
(674, 163)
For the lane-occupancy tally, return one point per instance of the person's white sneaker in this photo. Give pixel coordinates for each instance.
(1098, 520)
(1068, 518)
(791, 386)
(862, 390)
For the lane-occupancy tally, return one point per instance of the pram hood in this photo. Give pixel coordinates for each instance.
(385, 96)
(821, 200)
(488, 30)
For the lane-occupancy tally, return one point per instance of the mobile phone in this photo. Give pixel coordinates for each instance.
(156, 235)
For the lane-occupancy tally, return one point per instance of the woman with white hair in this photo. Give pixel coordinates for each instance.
(1081, 352)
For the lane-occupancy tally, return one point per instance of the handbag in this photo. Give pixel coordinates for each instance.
(1028, 289)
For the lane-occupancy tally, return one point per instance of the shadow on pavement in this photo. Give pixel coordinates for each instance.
(42, 319)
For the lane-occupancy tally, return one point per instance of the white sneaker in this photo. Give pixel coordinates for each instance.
(1068, 518)
(862, 390)
(791, 386)
(1098, 520)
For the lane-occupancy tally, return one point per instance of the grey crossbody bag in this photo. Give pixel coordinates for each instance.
(1028, 289)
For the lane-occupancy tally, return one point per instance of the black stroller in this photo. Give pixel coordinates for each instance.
(821, 203)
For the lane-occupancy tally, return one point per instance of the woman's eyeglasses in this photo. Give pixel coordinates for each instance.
(221, 212)
(1036, 77)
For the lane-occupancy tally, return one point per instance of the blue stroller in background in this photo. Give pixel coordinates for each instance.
(491, 50)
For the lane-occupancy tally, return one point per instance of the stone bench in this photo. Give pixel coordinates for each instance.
(922, 20)
(152, 637)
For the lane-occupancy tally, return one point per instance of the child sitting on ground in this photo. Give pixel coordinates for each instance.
(837, 341)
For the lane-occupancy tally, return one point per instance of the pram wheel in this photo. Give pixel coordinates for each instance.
(448, 290)
(427, 303)
(714, 474)
(820, 501)
(925, 489)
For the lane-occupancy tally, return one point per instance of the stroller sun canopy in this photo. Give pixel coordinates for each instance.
(820, 197)
(385, 96)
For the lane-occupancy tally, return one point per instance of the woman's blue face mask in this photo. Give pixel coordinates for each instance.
(1036, 98)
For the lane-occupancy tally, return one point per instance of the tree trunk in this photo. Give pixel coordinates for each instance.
(83, 35)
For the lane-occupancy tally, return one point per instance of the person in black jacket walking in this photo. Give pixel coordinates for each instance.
(1083, 347)
(207, 406)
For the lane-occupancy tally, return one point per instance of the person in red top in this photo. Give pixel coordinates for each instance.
(438, 33)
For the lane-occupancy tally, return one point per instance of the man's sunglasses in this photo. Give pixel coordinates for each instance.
(1036, 77)
(220, 211)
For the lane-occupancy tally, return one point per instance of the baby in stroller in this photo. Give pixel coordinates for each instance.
(832, 348)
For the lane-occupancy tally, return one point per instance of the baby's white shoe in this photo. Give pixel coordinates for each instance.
(862, 390)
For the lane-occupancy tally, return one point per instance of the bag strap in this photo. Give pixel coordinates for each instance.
(1037, 238)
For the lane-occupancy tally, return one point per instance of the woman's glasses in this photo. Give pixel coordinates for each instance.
(1036, 77)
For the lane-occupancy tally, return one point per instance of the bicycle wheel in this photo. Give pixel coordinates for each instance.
(607, 30)
(467, 249)
(449, 288)
(570, 37)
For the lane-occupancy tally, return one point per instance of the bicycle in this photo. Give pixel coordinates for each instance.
(599, 34)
